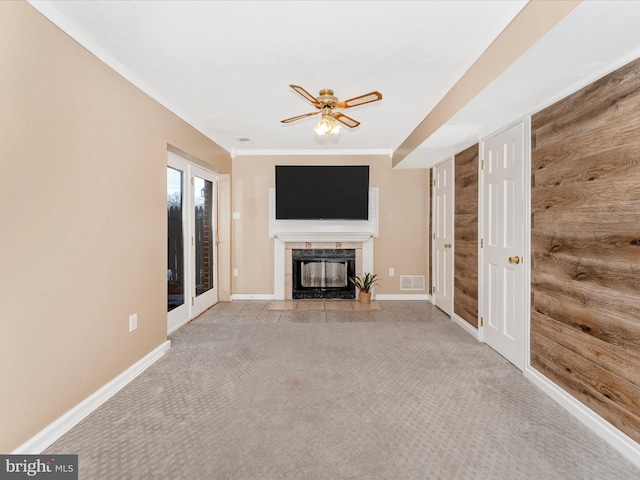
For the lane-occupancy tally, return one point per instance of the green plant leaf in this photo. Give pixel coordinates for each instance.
(366, 282)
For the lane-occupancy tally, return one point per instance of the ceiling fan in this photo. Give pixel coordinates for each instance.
(327, 103)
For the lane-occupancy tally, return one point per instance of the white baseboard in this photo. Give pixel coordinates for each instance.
(175, 327)
(614, 437)
(252, 296)
(66, 422)
(466, 326)
(402, 296)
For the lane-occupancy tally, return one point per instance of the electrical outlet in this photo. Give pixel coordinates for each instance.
(133, 322)
(235, 272)
(392, 272)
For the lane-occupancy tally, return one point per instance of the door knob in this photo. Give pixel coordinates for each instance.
(514, 259)
(447, 245)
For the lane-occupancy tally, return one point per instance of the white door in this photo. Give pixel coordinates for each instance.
(203, 240)
(442, 241)
(191, 267)
(503, 244)
(178, 267)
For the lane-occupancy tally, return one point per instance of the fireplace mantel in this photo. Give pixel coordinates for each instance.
(347, 231)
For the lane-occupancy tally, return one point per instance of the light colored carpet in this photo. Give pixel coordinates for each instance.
(335, 401)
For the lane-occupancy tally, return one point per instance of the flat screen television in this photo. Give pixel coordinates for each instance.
(322, 192)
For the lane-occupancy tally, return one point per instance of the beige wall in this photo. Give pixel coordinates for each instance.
(83, 215)
(404, 220)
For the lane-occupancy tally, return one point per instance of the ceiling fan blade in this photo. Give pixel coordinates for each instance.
(361, 100)
(299, 117)
(306, 95)
(348, 121)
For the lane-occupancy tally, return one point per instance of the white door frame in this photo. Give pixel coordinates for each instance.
(526, 307)
(206, 299)
(438, 244)
(183, 314)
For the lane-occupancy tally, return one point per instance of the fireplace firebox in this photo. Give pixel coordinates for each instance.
(323, 273)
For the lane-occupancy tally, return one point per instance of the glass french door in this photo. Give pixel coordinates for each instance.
(203, 240)
(176, 241)
(191, 236)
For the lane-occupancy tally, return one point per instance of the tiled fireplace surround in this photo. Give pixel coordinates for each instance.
(288, 263)
(320, 234)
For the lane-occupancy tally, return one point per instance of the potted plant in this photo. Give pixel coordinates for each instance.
(364, 284)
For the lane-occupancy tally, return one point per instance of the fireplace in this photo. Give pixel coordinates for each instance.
(323, 273)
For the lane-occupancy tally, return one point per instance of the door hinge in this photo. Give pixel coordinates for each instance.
(434, 182)
(482, 243)
(482, 321)
(433, 289)
(217, 239)
(482, 165)
(192, 301)
(192, 242)
(434, 236)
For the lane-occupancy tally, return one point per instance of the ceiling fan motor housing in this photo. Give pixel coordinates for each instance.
(327, 99)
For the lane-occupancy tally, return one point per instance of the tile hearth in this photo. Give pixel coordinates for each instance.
(322, 305)
(333, 311)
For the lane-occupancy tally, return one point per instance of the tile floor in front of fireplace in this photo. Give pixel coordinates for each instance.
(314, 311)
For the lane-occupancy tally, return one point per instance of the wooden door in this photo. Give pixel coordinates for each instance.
(503, 244)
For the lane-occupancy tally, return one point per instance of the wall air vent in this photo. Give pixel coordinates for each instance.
(412, 282)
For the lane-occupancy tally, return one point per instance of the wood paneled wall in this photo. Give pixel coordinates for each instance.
(465, 291)
(585, 318)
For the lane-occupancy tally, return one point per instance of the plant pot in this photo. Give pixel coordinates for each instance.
(364, 297)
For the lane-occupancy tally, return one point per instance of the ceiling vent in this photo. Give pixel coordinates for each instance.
(243, 140)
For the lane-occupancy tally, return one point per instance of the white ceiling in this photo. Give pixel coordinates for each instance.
(225, 66)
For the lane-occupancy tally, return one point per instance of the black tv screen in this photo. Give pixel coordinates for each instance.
(327, 192)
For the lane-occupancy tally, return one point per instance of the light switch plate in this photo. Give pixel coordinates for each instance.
(133, 322)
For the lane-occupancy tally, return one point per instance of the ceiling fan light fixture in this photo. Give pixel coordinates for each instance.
(325, 126)
(326, 102)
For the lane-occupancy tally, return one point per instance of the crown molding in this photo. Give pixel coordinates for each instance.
(387, 152)
(63, 23)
